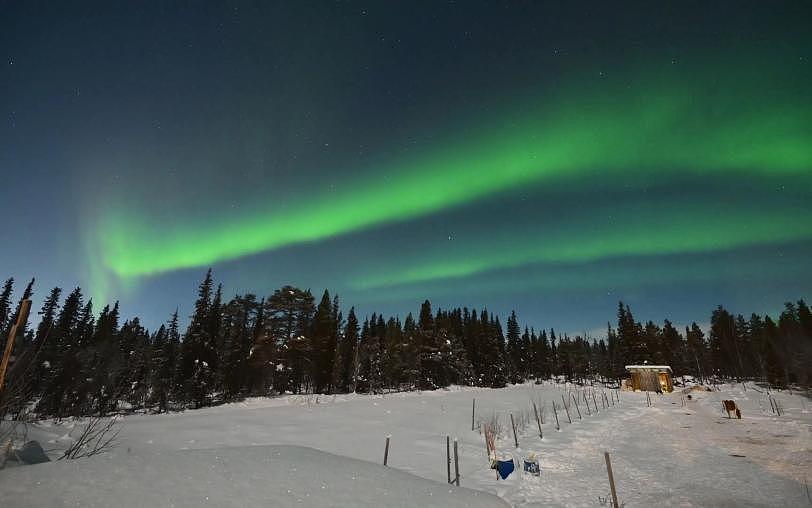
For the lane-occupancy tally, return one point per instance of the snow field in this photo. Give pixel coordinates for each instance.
(665, 455)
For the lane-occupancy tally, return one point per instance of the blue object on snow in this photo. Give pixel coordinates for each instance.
(504, 468)
(31, 453)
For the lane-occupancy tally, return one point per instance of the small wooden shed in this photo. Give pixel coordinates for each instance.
(650, 378)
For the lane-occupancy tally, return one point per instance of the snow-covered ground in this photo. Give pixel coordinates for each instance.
(665, 455)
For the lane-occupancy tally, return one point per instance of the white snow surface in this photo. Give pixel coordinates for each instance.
(279, 476)
(665, 455)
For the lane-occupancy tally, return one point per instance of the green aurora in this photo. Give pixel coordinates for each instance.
(652, 228)
(705, 120)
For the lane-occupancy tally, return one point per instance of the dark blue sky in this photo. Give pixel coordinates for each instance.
(166, 126)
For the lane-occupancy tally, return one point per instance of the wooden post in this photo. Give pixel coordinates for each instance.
(512, 424)
(557, 426)
(487, 446)
(538, 420)
(564, 401)
(22, 318)
(611, 480)
(594, 401)
(575, 400)
(448, 456)
(386, 450)
(588, 411)
(456, 464)
(473, 414)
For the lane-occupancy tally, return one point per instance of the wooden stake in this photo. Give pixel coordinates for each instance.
(386, 450)
(473, 414)
(611, 480)
(574, 399)
(456, 464)
(538, 420)
(512, 424)
(22, 318)
(588, 411)
(557, 426)
(564, 401)
(448, 456)
(595, 402)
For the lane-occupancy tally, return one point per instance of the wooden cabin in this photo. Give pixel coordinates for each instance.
(650, 378)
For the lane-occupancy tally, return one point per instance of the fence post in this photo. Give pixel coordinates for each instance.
(575, 400)
(512, 424)
(386, 450)
(473, 414)
(563, 401)
(588, 410)
(538, 421)
(611, 480)
(456, 464)
(557, 426)
(448, 456)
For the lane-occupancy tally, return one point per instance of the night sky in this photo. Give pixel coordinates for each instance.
(546, 158)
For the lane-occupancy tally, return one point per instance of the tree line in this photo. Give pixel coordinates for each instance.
(87, 364)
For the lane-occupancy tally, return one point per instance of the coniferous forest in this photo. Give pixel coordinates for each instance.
(79, 361)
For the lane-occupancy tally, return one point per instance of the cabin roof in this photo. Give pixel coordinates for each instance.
(648, 367)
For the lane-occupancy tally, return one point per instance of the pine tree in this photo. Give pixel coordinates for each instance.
(673, 348)
(514, 350)
(5, 311)
(349, 352)
(287, 342)
(696, 351)
(324, 343)
(23, 333)
(63, 372)
(194, 372)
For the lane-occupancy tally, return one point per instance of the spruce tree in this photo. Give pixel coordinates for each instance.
(5, 311)
(324, 344)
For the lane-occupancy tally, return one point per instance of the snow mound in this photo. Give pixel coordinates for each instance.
(279, 476)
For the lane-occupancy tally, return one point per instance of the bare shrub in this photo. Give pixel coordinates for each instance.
(98, 436)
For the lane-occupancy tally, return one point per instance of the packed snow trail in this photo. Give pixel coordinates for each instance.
(662, 455)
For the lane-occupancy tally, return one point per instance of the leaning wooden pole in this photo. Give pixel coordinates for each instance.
(611, 479)
(538, 420)
(567, 409)
(473, 414)
(22, 318)
(574, 399)
(557, 426)
(513, 424)
(386, 451)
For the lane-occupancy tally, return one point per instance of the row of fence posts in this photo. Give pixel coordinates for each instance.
(606, 401)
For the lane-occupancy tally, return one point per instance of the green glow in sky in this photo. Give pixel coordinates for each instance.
(641, 229)
(668, 123)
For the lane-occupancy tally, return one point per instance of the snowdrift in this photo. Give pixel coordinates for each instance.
(279, 476)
